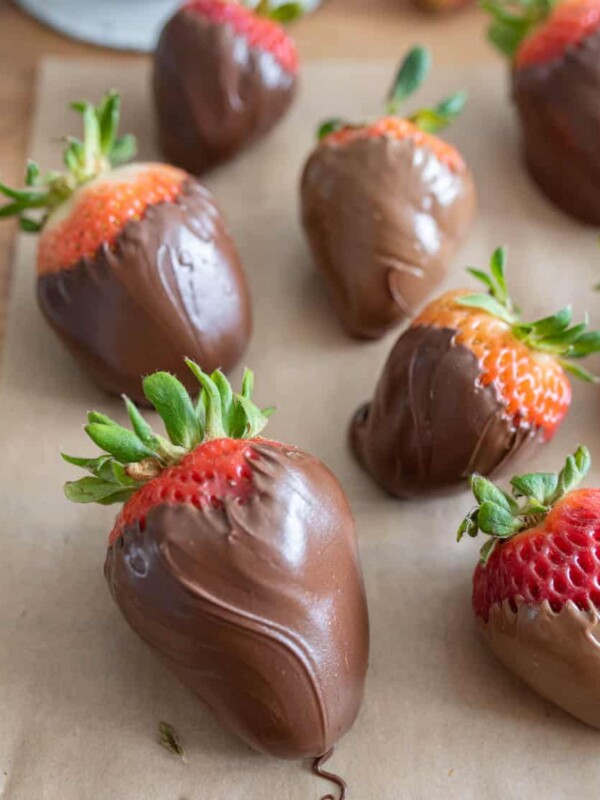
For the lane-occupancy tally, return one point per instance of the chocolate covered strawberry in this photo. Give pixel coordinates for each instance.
(385, 204)
(468, 387)
(136, 268)
(235, 558)
(554, 49)
(536, 589)
(224, 75)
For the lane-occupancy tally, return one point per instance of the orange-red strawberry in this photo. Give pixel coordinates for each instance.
(553, 49)
(536, 589)
(467, 387)
(97, 212)
(224, 75)
(234, 556)
(385, 204)
(135, 266)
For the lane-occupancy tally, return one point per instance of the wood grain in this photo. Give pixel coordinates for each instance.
(343, 28)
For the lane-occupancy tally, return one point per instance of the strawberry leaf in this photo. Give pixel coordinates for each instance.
(121, 443)
(84, 160)
(539, 486)
(134, 457)
(433, 120)
(486, 303)
(330, 126)
(502, 516)
(172, 401)
(214, 428)
(513, 20)
(497, 520)
(287, 12)
(486, 491)
(413, 71)
(123, 150)
(96, 490)
(487, 550)
(32, 173)
(469, 525)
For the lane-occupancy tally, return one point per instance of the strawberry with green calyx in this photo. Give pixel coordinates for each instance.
(234, 555)
(385, 204)
(468, 387)
(536, 589)
(99, 152)
(224, 75)
(553, 49)
(135, 265)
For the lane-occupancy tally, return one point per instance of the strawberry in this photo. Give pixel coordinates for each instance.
(553, 48)
(385, 203)
(234, 556)
(127, 258)
(224, 75)
(536, 589)
(467, 387)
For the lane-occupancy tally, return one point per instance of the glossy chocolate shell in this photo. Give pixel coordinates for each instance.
(171, 286)
(259, 608)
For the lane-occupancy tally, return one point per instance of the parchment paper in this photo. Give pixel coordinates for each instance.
(81, 697)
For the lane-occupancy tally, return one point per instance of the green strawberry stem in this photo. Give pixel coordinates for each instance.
(553, 335)
(501, 515)
(514, 20)
(285, 12)
(133, 457)
(411, 75)
(98, 152)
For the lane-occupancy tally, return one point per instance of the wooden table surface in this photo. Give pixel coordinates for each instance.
(342, 28)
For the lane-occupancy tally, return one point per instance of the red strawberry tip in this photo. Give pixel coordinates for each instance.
(501, 515)
(411, 74)
(133, 457)
(98, 152)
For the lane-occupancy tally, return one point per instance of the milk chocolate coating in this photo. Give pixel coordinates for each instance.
(431, 423)
(559, 109)
(383, 218)
(214, 93)
(172, 286)
(258, 608)
(557, 654)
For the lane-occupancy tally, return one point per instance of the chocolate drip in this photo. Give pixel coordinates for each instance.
(317, 768)
(259, 608)
(172, 286)
(559, 108)
(431, 423)
(383, 218)
(214, 93)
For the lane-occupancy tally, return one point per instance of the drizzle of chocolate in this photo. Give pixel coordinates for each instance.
(214, 94)
(171, 286)
(559, 108)
(383, 218)
(259, 608)
(431, 423)
(317, 768)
